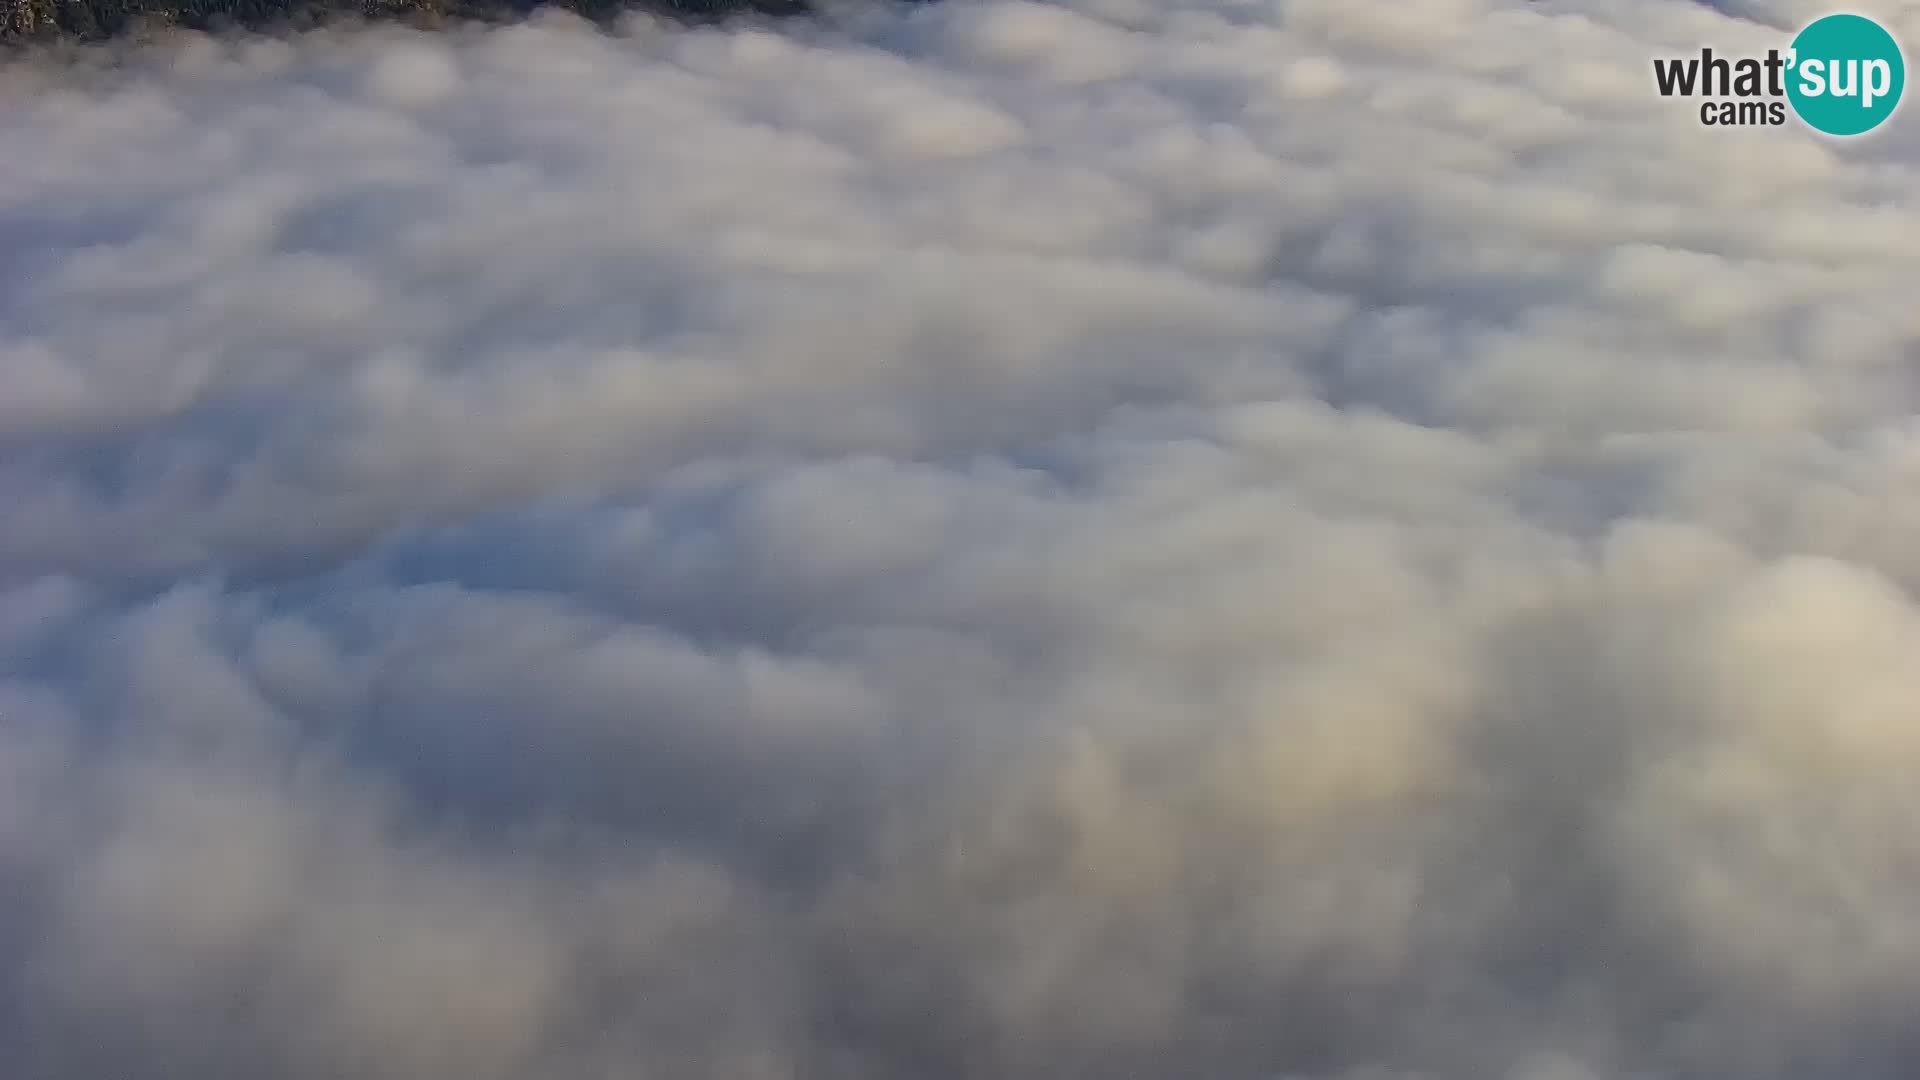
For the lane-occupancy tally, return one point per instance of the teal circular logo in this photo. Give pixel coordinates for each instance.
(1845, 75)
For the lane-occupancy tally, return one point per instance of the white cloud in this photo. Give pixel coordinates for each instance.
(1342, 541)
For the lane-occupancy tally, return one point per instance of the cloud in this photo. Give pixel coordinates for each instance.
(1337, 541)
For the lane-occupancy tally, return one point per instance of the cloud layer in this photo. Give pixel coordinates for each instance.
(1324, 540)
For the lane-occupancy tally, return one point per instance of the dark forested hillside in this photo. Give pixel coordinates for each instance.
(26, 20)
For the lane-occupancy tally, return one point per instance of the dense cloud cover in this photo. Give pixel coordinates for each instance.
(1267, 539)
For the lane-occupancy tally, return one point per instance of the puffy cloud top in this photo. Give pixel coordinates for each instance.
(1324, 540)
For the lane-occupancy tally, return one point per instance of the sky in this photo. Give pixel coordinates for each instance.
(1237, 539)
